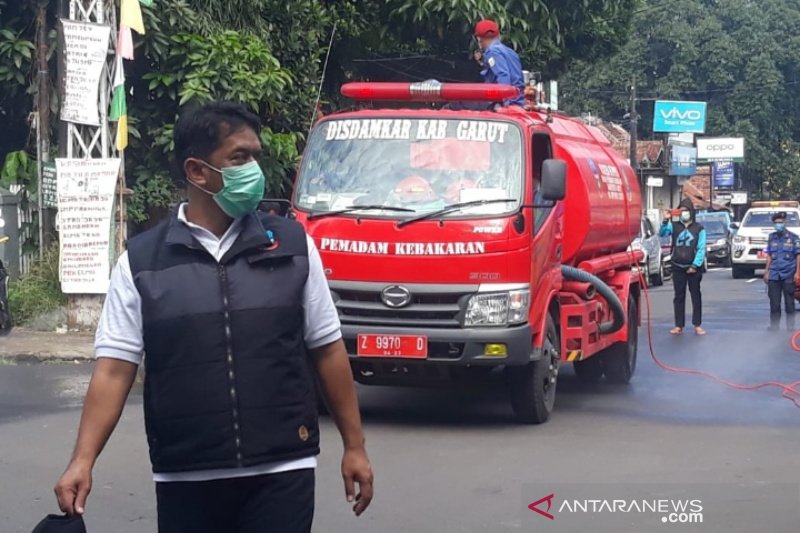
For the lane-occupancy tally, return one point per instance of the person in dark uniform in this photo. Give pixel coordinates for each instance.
(783, 266)
(501, 64)
(688, 264)
(233, 310)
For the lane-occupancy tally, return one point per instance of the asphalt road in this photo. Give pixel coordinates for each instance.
(454, 461)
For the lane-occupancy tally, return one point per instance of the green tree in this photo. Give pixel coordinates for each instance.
(740, 56)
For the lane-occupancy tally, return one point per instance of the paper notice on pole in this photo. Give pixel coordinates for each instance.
(85, 54)
(85, 204)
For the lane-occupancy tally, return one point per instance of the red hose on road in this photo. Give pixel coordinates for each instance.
(790, 390)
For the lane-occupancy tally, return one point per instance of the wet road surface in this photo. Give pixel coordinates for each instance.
(454, 461)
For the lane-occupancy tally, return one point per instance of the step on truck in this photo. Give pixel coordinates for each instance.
(459, 243)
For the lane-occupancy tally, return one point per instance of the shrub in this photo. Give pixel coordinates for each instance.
(37, 292)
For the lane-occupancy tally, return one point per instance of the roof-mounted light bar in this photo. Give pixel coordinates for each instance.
(429, 91)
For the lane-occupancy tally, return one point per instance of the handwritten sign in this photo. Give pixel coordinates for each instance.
(49, 187)
(85, 206)
(85, 55)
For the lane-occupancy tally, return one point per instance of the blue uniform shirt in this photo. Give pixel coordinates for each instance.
(502, 65)
(783, 248)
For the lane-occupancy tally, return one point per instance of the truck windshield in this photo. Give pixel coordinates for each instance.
(419, 165)
(763, 219)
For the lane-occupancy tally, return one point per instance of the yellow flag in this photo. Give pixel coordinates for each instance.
(131, 16)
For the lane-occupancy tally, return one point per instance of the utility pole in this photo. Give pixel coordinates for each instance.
(634, 130)
(43, 114)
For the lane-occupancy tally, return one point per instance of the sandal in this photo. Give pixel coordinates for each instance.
(676, 330)
(699, 331)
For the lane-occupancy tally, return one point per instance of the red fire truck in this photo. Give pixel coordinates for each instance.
(460, 243)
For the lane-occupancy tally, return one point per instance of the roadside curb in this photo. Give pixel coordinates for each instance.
(27, 346)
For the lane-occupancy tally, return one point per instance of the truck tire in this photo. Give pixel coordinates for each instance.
(619, 360)
(589, 370)
(742, 272)
(532, 388)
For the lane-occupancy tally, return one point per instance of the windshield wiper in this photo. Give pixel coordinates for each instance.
(451, 208)
(354, 208)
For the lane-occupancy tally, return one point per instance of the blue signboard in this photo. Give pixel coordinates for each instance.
(679, 117)
(683, 160)
(724, 173)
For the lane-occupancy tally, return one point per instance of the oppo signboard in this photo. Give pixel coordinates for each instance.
(720, 149)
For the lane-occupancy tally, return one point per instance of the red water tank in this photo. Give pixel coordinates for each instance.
(603, 206)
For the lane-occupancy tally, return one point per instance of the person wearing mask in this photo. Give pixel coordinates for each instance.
(688, 260)
(233, 311)
(782, 272)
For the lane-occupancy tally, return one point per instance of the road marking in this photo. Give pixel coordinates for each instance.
(751, 280)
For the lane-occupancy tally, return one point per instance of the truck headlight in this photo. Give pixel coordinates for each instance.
(498, 309)
(721, 242)
(738, 239)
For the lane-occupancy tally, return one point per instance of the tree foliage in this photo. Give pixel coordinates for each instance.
(269, 54)
(740, 56)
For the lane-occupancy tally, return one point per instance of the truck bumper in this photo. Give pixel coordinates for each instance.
(452, 347)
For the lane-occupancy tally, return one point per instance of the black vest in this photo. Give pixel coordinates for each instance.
(228, 382)
(684, 253)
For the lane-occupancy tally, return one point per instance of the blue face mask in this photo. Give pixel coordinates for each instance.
(686, 216)
(779, 226)
(242, 188)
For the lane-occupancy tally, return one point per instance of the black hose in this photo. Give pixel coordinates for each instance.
(618, 312)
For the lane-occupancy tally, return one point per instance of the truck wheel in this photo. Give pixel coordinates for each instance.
(742, 272)
(532, 388)
(619, 360)
(589, 370)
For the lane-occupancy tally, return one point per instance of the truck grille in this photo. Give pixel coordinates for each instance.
(758, 241)
(430, 306)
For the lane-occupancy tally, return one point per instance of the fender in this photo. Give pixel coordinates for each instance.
(546, 293)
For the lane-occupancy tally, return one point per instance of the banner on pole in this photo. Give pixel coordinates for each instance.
(85, 53)
(85, 207)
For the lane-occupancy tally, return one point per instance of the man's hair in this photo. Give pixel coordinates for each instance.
(201, 128)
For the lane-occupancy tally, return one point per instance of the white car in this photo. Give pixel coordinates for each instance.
(649, 242)
(751, 236)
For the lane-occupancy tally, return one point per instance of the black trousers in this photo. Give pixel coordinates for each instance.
(680, 279)
(272, 503)
(774, 290)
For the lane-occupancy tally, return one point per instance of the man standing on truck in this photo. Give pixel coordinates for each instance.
(782, 272)
(501, 64)
(688, 260)
(232, 309)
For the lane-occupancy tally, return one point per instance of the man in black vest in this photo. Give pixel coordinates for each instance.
(234, 314)
(688, 264)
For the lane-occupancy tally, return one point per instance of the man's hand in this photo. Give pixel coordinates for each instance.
(356, 469)
(691, 270)
(797, 280)
(766, 276)
(667, 214)
(73, 488)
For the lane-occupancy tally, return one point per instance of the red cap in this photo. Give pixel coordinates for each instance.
(487, 28)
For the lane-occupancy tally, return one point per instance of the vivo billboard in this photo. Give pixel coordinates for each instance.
(720, 149)
(679, 117)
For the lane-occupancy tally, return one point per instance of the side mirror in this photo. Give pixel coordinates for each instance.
(734, 226)
(276, 206)
(554, 179)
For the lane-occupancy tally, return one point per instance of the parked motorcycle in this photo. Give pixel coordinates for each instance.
(5, 312)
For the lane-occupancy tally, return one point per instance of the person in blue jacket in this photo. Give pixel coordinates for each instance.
(688, 264)
(783, 260)
(501, 64)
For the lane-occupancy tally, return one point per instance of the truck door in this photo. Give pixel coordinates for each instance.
(542, 149)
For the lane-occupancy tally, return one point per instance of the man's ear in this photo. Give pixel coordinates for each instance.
(196, 172)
